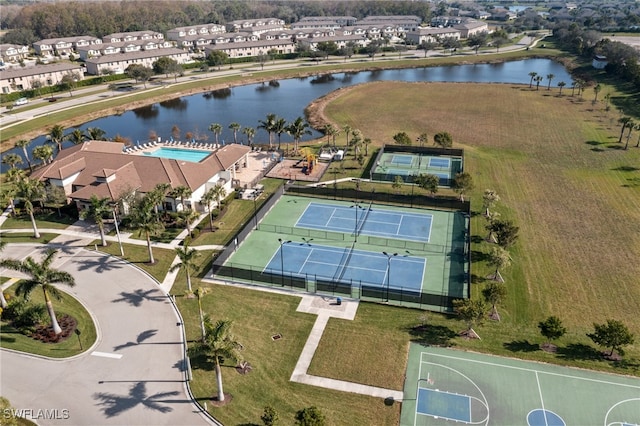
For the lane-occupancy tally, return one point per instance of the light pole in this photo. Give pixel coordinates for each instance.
(282, 243)
(389, 257)
(115, 221)
(356, 206)
(255, 210)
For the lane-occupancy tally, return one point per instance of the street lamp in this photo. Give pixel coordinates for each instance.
(282, 242)
(357, 206)
(389, 257)
(115, 221)
(255, 210)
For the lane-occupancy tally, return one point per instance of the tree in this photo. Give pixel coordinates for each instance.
(298, 128)
(215, 193)
(470, 311)
(199, 293)
(234, 128)
(12, 160)
(373, 48)
(250, 133)
(624, 121)
(269, 416)
(614, 335)
(76, 137)
(331, 132)
(219, 343)
(422, 139)
(478, 40)
(538, 80)
(40, 275)
(139, 73)
(44, 153)
(97, 210)
(499, 259)
(428, 182)
(3, 300)
(310, 416)
(145, 220)
(216, 129)
(533, 75)
(30, 191)
(95, 133)
(552, 329)
(347, 131)
(596, 89)
(181, 193)
(550, 77)
(217, 58)
(68, 82)
(269, 126)
(489, 198)
(24, 144)
(561, 84)
(499, 41)
(443, 139)
(427, 46)
(56, 136)
(462, 183)
(402, 138)
(366, 142)
(164, 65)
(494, 293)
(630, 125)
(451, 43)
(55, 196)
(280, 127)
(505, 231)
(187, 262)
(262, 59)
(397, 184)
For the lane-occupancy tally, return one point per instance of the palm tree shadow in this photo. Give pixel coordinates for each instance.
(147, 334)
(100, 265)
(138, 296)
(114, 405)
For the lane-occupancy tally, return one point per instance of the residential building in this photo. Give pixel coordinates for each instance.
(18, 79)
(430, 34)
(180, 33)
(253, 48)
(92, 51)
(101, 168)
(471, 27)
(63, 45)
(117, 63)
(13, 52)
(132, 35)
(246, 24)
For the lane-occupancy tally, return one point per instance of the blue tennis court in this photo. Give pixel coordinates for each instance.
(440, 163)
(443, 405)
(405, 160)
(346, 265)
(367, 221)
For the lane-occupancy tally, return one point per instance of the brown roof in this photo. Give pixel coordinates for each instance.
(104, 170)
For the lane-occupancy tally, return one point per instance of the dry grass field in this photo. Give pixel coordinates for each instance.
(561, 175)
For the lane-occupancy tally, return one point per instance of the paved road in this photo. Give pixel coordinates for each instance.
(134, 374)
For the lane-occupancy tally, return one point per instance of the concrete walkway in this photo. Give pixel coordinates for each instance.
(326, 308)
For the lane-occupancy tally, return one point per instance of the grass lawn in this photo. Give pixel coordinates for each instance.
(139, 256)
(26, 237)
(562, 177)
(11, 338)
(43, 220)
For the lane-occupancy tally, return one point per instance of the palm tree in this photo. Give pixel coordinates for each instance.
(24, 144)
(638, 128)
(235, 127)
(216, 129)
(624, 121)
(250, 132)
(11, 160)
(95, 133)
(631, 125)
(214, 193)
(218, 343)
(328, 130)
(187, 262)
(538, 79)
(76, 137)
(347, 131)
(157, 195)
(180, 193)
(43, 153)
(549, 78)
(561, 84)
(533, 75)
(366, 142)
(268, 125)
(97, 211)
(596, 89)
(3, 301)
(280, 127)
(30, 190)
(56, 136)
(146, 221)
(200, 292)
(297, 129)
(43, 276)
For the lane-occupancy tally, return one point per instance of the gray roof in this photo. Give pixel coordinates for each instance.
(39, 70)
(141, 54)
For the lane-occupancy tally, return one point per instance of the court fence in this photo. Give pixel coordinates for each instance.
(409, 297)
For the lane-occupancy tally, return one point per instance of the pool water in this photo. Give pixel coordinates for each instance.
(192, 155)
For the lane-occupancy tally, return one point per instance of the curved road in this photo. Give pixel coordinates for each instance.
(133, 375)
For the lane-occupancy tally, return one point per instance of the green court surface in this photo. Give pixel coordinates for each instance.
(292, 221)
(446, 387)
(409, 165)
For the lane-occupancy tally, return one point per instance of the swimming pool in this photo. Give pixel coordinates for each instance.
(192, 155)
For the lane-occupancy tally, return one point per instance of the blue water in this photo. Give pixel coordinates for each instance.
(194, 156)
(250, 104)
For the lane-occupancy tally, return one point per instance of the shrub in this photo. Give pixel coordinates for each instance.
(195, 233)
(23, 315)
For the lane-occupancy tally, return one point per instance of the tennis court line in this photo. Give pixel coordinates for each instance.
(531, 370)
(541, 398)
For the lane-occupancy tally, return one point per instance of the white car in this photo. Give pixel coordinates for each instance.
(21, 101)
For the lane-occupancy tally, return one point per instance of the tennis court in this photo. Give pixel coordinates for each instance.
(367, 220)
(345, 265)
(389, 165)
(445, 387)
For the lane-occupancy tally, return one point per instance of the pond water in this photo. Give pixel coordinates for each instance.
(250, 104)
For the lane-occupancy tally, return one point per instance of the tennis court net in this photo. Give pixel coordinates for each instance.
(342, 267)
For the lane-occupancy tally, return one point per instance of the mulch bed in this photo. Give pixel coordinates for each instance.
(227, 400)
(45, 334)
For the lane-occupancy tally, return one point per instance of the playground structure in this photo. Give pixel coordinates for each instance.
(309, 160)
